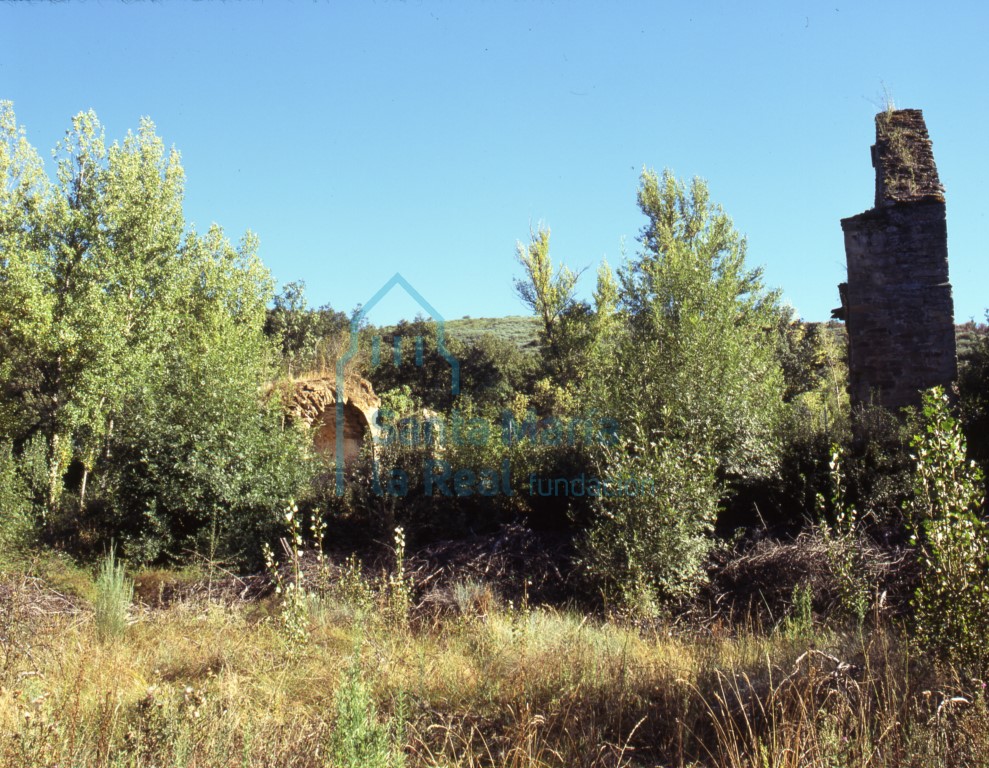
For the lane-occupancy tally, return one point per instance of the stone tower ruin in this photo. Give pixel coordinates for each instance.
(897, 303)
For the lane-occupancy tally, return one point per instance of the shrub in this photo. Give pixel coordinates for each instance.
(952, 538)
(360, 739)
(879, 467)
(799, 625)
(650, 537)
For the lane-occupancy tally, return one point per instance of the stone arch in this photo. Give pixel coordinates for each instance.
(313, 402)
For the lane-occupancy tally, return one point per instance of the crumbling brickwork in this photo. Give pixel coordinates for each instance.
(897, 303)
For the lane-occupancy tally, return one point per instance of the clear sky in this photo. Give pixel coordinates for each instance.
(361, 139)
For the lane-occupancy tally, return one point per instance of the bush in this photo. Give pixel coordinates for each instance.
(880, 469)
(207, 476)
(649, 540)
(360, 739)
(952, 538)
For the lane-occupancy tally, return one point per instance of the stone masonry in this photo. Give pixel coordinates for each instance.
(897, 303)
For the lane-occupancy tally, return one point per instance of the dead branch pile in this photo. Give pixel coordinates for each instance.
(516, 562)
(758, 579)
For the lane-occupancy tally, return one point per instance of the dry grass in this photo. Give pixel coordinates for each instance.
(205, 683)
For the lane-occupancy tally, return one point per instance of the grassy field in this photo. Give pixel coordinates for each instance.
(354, 675)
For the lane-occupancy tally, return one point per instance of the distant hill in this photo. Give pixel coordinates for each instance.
(521, 331)
(524, 332)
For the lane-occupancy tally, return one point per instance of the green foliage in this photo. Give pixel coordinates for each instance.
(879, 466)
(361, 738)
(812, 357)
(952, 538)
(970, 340)
(799, 625)
(695, 331)
(300, 332)
(91, 287)
(199, 461)
(133, 354)
(973, 386)
(114, 593)
(493, 370)
(16, 509)
(697, 335)
(430, 382)
(396, 403)
(841, 536)
(548, 292)
(652, 533)
(566, 330)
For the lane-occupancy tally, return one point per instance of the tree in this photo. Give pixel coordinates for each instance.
(550, 293)
(547, 292)
(951, 536)
(199, 462)
(299, 330)
(419, 366)
(698, 334)
(92, 285)
(692, 377)
(112, 320)
(23, 192)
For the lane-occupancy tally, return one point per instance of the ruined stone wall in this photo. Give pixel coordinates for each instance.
(313, 402)
(897, 303)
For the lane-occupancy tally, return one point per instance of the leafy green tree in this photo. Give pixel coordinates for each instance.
(566, 323)
(424, 371)
(131, 352)
(23, 194)
(548, 292)
(698, 334)
(199, 462)
(692, 378)
(493, 370)
(91, 271)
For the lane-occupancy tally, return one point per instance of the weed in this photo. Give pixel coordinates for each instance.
(361, 739)
(294, 615)
(799, 624)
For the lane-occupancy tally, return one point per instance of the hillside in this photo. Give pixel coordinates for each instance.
(521, 331)
(524, 331)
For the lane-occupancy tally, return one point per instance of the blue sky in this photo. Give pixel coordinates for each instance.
(361, 139)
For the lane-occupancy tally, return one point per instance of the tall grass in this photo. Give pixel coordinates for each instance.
(210, 685)
(114, 594)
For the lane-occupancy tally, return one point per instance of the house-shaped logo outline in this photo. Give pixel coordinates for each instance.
(355, 325)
